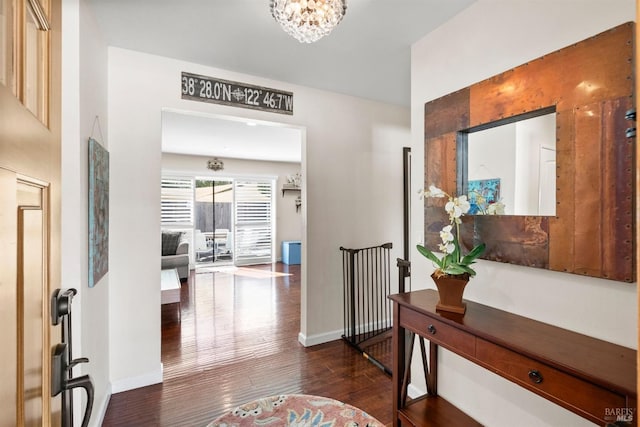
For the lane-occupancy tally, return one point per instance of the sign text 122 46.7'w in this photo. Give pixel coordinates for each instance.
(218, 91)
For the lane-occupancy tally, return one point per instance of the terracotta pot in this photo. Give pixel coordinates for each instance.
(450, 289)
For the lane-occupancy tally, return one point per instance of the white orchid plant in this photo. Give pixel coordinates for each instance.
(453, 262)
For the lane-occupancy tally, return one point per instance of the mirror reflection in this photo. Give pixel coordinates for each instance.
(511, 168)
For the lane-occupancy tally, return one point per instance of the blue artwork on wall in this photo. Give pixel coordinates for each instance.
(98, 212)
(482, 193)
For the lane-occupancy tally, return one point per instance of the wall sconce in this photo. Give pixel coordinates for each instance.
(215, 164)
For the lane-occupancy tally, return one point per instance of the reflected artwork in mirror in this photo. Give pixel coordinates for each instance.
(508, 167)
(587, 156)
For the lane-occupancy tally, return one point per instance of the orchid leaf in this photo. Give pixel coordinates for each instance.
(468, 269)
(456, 269)
(430, 255)
(475, 253)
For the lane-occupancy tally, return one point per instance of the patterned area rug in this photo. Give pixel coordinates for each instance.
(296, 410)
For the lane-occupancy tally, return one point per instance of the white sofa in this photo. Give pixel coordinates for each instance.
(175, 253)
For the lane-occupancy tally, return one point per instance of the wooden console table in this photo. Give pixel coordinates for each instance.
(592, 378)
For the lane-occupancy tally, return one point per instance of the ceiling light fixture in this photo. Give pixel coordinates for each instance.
(308, 20)
(215, 164)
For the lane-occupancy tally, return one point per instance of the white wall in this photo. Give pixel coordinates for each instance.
(489, 37)
(352, 196)
(491, 154)
(511, 152)
(84, 54)
(288, 221)
(531, 137)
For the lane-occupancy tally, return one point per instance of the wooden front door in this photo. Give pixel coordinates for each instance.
(29, 208)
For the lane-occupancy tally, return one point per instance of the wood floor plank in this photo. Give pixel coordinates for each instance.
(237, 341)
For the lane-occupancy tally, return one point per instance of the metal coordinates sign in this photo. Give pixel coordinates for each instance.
(217, 91)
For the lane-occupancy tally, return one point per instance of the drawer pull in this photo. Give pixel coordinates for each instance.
(432, 329)
(535, 376)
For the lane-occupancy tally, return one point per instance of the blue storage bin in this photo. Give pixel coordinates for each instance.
(291, 252)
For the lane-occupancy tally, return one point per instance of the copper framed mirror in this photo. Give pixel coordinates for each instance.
(590, 86)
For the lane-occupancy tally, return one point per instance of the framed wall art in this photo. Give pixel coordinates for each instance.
(482, 193)
(98, 212)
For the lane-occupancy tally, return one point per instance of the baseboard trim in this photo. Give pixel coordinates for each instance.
(414, 391)
(137, 382)
(310, 340)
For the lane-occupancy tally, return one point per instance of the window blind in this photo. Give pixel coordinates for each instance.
(253, 217)
(177, 201)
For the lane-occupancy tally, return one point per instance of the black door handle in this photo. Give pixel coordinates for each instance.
(61, 383)
(85, 383)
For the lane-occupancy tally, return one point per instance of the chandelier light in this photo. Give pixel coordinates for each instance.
(215, 164)
(308, 20)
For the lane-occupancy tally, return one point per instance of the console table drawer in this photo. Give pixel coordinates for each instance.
(438, 332)
(592, 401)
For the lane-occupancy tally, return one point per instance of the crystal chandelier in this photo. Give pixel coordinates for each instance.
(308, 20)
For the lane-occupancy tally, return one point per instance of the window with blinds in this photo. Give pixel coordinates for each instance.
(253, 217)
(177, 201)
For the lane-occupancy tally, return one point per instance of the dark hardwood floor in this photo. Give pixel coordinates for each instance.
(237, 341)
